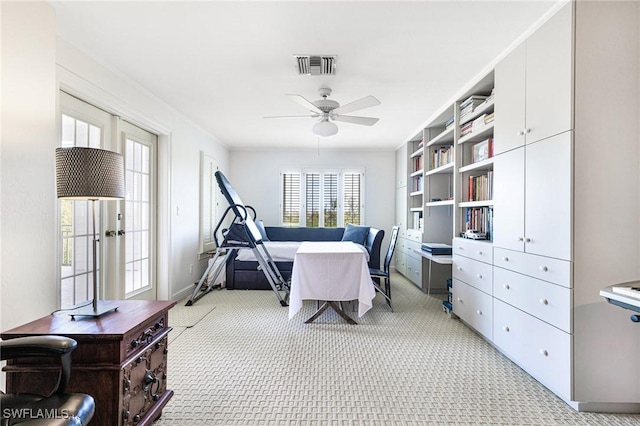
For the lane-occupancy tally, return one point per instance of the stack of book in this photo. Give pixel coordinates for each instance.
(447, 305)
(480, 219)
(417, 184)
(417, 163)
(448, 123)
(437, 249)
(470, 104)
(441, 155)
(480, 188)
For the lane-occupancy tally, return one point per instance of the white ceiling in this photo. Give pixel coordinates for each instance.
(227, 65)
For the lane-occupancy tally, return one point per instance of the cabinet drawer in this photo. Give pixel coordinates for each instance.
(549, 302)
(539, 348)
(473, 307)
(400, 262)
(474, 273)
(414, 235)
(545, 268)
(414, 270)
(411, 246)
(478, 250)
(401, 245)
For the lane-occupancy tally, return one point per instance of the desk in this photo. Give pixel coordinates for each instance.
(121, 360)
(442, 259)
(622, 300)
(331, 271)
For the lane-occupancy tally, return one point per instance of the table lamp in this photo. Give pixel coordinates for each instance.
(90, 174)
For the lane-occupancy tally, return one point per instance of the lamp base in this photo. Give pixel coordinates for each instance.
(102, 307)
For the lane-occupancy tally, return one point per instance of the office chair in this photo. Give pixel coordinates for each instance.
(59, 408)
(378, 274)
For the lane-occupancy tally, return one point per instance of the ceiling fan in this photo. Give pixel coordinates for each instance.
(327, 111)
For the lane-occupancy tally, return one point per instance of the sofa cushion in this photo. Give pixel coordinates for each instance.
(283, 233)
(357, 234)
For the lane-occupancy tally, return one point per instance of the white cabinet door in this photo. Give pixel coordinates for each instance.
(534, 89)
(549, 88)
(548, 197)
(508, 200)
(401, 166)
(532, 198)
(510, 101)
(401, 210)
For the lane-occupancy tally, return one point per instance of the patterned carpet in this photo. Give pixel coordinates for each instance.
(245, 363)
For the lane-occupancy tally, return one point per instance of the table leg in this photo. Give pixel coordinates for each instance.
(429, 282)
(336, 308)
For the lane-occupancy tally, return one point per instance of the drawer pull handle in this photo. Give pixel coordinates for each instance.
(543, 268)
(505, 258)
(148, 379)
(507, 286)
(520, 239)
(505, 328)
(460, 248)
(527, 240)
(479, 252)
(459, 268)
(479, 312)
(459, 300)
(544, 301)
(544, 352)
(479, 276)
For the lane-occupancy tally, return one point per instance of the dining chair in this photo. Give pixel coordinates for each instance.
(378, 274)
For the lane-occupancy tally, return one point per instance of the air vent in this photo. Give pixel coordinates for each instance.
(315, 64)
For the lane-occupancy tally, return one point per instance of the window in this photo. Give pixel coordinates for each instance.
(327, 198)
(208, 202)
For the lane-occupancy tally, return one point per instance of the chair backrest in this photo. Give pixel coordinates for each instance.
(392, 246)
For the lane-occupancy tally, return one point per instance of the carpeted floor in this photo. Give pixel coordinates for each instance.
(246, 363)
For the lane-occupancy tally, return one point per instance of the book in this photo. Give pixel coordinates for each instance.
(628, 290)
(437, 248)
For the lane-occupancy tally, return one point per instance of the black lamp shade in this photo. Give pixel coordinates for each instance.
(89, 174)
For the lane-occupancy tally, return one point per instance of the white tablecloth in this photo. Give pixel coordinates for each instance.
(330, 271)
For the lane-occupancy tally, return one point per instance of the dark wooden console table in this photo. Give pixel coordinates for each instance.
(121, 360)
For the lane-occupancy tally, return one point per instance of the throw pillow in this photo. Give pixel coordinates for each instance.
(357, 234)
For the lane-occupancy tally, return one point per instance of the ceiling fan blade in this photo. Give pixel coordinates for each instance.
(293, 116)
(366, 102)
(366, 121)
(305, 103)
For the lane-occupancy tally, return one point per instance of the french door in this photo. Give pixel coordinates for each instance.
(125, 229)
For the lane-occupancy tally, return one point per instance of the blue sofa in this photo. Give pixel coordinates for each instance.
(245, 275)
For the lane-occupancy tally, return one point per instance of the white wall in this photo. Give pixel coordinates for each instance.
(255, 176)
(34, 64)
(28, 286)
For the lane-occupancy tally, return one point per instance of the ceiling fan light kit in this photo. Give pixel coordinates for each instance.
(328, 110)
(325, 128)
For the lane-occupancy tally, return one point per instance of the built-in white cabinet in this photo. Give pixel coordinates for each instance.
(472, 271)
(533, 196)
(539, 348)
(401, 167)
(535, 96)
(564, 203)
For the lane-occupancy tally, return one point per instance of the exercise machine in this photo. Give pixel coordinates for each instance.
(242, 234)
